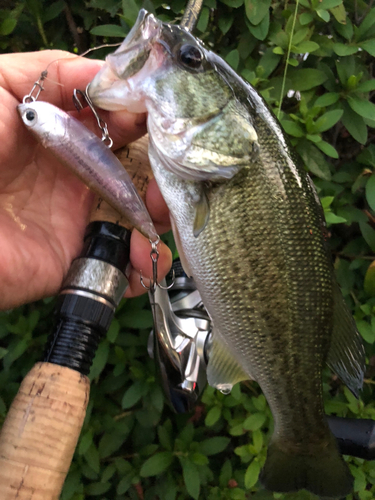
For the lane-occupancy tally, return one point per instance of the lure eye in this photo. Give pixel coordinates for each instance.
(191, 56)
(30, 116)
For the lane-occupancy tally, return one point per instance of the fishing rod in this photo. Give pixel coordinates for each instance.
(41, 431)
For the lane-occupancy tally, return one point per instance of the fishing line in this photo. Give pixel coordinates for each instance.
(287, 60)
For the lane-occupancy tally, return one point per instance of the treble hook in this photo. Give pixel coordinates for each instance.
(154, 254)
(101, 123)
(39, 85)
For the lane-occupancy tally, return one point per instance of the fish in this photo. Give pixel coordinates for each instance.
(76, 147)
(250, 230)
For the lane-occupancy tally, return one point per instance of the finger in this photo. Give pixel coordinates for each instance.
(140, 259)
(65, 72)
(123, 127)
(157, 207)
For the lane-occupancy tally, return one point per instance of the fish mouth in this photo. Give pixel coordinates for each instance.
(114, 87)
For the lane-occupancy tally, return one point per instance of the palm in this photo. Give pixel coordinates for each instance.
(44, 208)
(43, 211)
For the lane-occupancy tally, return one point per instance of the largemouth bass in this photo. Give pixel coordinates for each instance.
(249, 228)
(89, 158)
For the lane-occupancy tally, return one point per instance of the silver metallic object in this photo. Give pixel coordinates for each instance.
(180, 341)
(96, 276)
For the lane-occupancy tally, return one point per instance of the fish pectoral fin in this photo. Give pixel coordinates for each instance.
(346, 356)
(177, 240)
(223, 370)
(202, 214)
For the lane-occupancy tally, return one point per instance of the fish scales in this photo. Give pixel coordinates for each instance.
(250, 229)
(247, 265)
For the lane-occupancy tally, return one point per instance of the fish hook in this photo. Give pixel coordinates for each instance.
(101, 123)
(154, 254)
(37, 85)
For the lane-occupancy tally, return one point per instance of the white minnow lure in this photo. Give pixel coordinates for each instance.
(89, 158)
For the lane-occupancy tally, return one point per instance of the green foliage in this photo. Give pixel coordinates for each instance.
(313, 59)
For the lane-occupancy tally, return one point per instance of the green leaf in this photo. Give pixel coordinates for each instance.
(130, 11)
(306, 79)
(125, 483)
(327, 149)
(332, 218)
(7, 26)
(327, 99)
(108, 30)
(225, 23)
(328, 120)
(369, 283)
(366, 331)
(369, 235)
(164, 435)
(367, 23)
(256, 11)
(345, 30)
(109, 443)
(368, 46)
(100, 360)
(292, 128)
(354, 124)
(370, 192)
(339, 13)
(132, 395)
(85, 442)
(329, 4)
(157, 464)
(367, 86)
(203, 20)
(53, 10)
(191, 478)
(344, 50)
(258, 440)
(363, 107)
(252, 474)
(96, 489)
(233, 3)
(214, 445)
(199, 459)
(3, 352)
(113, 331)
(314, 160)
(225, 473)
(261, 30)
(300, 35)
(93, 459)
(212, 416)
(305, 47)
(323, 14)
(233, 59)
(305, 18)
(254, 422)
(326, 201)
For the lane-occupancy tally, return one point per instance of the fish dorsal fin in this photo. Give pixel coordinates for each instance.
(202, 214)
(223, 370)
(346, 356)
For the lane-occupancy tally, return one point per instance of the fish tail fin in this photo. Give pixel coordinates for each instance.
(323, 473)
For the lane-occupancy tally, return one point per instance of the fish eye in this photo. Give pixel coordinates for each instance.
(190, 56)
(30, 115)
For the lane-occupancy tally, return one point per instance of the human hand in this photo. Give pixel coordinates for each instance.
(44, 208)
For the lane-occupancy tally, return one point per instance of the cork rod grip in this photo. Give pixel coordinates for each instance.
(40, 433)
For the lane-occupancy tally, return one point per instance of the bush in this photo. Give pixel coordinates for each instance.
(317, 55)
